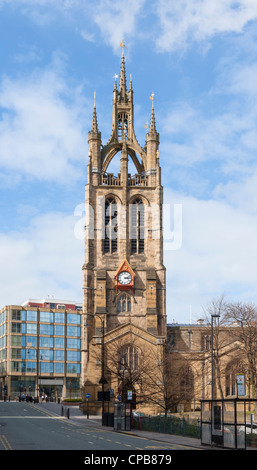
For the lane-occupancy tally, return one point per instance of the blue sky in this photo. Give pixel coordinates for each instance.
(199, 59)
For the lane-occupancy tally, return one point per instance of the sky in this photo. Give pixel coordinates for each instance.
(199, 59)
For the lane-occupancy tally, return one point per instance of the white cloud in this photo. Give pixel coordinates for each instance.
(186, 21)
(43, 258)
(41, 133)
(218, 256)
(118, 19)
(90, 37)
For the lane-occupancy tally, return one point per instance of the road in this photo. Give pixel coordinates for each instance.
(24, 426)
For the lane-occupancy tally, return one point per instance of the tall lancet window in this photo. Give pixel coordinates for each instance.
(110, 226)
(137, 229)
(122, 125)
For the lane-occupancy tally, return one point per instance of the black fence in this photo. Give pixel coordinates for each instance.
(185, 426)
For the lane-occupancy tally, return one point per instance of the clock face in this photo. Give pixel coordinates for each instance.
(124, 278)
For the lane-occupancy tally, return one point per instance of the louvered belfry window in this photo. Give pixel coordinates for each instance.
(110, 243)
(137, 220)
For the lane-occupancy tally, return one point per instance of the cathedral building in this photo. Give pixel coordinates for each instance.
(124, 313)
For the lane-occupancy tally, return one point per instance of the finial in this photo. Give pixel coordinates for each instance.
(115, 77)
(146, 126)
(122, 44)
(152, 98)
(94, 98)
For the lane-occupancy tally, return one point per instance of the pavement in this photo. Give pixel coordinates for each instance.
(77, 417)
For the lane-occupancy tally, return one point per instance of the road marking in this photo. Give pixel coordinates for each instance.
(5, 442)
(34, 417)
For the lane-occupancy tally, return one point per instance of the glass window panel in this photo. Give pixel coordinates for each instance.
(16, 327)
(59, 317)
(46, 354)
(30, 366)
(32, 328)
(59, 342)
(74, 318)
(46, 342)
(206, 433)
(73, 356)
(46, 367)
(31, 315)
(59, 367)
(15, 340)
(73, 368)
(15, 366)
(73, 331)
(240, 437)
(16, 315)
(229, 436)
(31, 341)
(17, 353)
(59, 355)
(59, 330)
(46, 329)
(73, 343)
(31, 354)
(47, 317)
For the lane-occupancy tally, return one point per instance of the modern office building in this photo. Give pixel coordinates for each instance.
(40, 349)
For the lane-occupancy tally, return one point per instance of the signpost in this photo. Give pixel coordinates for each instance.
(87, 397)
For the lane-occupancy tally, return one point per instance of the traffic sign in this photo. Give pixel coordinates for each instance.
(88, 395)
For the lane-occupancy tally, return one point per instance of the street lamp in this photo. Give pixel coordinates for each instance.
(212, 370)
(102, 380)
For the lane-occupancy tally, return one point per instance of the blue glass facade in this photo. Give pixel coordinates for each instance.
(41, 347)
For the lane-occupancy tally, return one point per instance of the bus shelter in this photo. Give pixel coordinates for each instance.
(226, 423)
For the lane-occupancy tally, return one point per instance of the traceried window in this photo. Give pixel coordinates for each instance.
(233, 368)
(124, 304)
(129, 358)
(137, 220)
(110, 226)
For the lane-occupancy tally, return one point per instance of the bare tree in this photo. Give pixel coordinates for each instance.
(243, 321)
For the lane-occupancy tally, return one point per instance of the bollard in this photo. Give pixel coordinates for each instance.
(68, 413)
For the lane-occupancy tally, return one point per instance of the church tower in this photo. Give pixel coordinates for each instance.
(123, 271)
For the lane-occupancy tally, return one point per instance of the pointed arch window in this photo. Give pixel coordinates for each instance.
(130, 358)
(124, 304)
(110, 226)
(233, 368)
(122, 125)
(137, 229)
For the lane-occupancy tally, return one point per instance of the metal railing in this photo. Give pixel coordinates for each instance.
(169, 425)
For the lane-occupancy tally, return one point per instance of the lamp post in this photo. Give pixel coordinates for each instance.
(102, 380)
(212, 369)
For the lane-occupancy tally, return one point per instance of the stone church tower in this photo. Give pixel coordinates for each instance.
(123, 272)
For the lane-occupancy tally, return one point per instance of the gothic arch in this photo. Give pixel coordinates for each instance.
(144, 199)
(113, 196)
(234, 367)
(111, 150)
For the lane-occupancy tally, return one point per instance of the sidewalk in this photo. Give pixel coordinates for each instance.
(77, 417)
